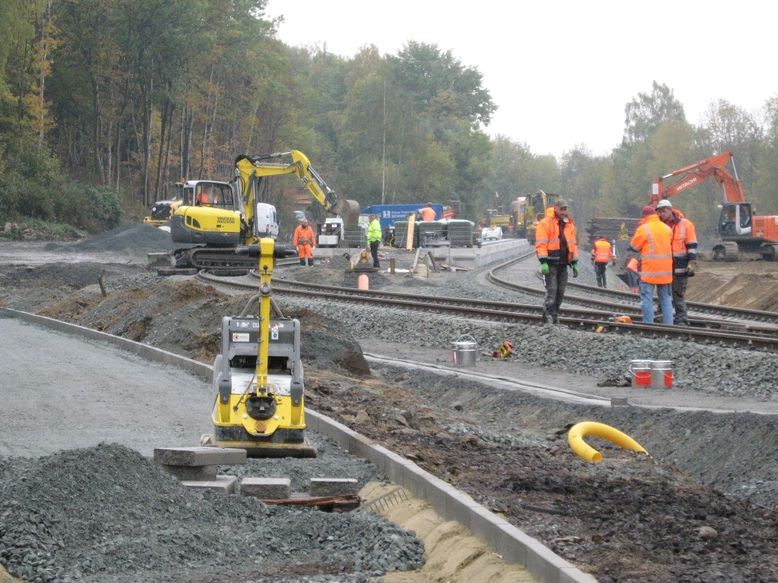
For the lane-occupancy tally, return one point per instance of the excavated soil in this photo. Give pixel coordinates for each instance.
(629, 518)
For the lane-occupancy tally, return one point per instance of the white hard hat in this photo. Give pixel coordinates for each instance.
(664, 203)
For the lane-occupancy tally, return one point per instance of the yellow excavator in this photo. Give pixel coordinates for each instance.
(258, 377)
(525, 215)
(217, 217)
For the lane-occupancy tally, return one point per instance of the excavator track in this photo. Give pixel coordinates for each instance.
(218, 261)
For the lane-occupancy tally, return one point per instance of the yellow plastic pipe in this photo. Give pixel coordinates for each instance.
(581, 448)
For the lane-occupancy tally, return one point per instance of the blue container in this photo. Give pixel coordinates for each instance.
(388, 214)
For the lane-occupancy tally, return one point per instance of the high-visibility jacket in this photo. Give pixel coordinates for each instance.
(427, 214)
(548, 243)
(653, 240)
(374, 232)
(303, 235)
(684, 244)
(602, 251)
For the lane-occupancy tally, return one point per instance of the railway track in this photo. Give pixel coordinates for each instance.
(598, 320)
(701, 315)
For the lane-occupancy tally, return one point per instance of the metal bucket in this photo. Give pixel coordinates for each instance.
(640, 371)
(662, 374)
(464, 353)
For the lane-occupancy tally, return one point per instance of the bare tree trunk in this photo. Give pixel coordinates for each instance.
(166, 158)
(43, 69)
(146, 91)
(164, 130)
(97, 129)
(118, 152)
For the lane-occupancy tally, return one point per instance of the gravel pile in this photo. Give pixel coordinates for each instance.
(108, 514)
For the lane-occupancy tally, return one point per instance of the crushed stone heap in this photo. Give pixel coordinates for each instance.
(108, 514)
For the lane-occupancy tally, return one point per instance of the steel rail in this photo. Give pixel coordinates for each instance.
(533, 316)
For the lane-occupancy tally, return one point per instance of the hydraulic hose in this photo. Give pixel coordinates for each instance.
(581, 448)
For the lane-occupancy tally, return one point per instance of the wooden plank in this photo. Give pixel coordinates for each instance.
(409, 234)
(326, 503)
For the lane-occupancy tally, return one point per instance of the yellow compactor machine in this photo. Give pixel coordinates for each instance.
(258, 377)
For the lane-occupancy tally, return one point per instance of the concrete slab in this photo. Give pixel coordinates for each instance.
(333, 487)
(221, 483)
(266, 488)
(199, 456)
(192, 473)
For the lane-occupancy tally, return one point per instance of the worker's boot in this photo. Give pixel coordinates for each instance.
(302, 261)
(310, 262)
(555, 319)
(547, 318)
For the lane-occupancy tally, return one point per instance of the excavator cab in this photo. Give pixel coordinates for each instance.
(735, 220)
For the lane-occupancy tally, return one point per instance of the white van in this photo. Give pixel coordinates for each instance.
(265, 220)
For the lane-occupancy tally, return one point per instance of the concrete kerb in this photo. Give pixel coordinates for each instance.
(510, 542)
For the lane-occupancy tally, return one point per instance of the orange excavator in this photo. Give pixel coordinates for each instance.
(742, 231)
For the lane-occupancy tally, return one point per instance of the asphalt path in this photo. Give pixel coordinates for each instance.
(60, 392)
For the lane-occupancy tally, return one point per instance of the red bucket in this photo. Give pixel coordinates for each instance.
(662, 374)
(640, 371)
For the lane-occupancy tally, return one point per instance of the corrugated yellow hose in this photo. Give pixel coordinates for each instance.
(580, 447)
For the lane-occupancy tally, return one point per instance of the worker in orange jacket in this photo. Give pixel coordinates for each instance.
(653, 241)
(556, 248)
(684, 245)
(602, 254)
(304, 240)
(427, 213)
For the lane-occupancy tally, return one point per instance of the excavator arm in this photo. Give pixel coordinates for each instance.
(714, 167)
(252, 168)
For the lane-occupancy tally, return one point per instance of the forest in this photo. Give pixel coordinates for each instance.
(105, 104)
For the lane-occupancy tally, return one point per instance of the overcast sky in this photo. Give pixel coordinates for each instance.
(562, 71)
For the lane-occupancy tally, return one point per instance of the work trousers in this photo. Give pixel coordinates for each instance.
(679, 299)
(374, 252)
(664, 291)
(305, 253)
(599, 271)
(555, 282)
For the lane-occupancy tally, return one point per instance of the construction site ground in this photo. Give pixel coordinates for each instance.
(628, 518)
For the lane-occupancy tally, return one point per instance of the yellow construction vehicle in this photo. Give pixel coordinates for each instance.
(529, 211)
(162, 210)
(258, 377)
(217, 217)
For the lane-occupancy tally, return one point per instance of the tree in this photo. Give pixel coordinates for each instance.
(646, 112)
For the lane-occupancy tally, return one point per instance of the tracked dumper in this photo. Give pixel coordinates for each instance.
(258, 377)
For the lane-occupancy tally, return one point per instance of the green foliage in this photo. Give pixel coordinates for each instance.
(146, 92)
(34, 188)
(646, 112)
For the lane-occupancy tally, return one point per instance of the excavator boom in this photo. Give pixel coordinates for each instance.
(714, 167)
(741, 230)
(250, 169)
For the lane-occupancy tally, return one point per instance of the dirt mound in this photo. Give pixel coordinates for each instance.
(754, 291)
(184, 316)
(135, 236)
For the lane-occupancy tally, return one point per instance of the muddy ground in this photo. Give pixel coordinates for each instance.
(629, 518)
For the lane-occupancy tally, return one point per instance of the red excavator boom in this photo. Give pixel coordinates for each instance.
(714, 167)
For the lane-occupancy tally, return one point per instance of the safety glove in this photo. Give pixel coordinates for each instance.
(574, 266)
(544, 268)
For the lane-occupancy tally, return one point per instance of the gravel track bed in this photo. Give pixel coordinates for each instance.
(710, 369)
